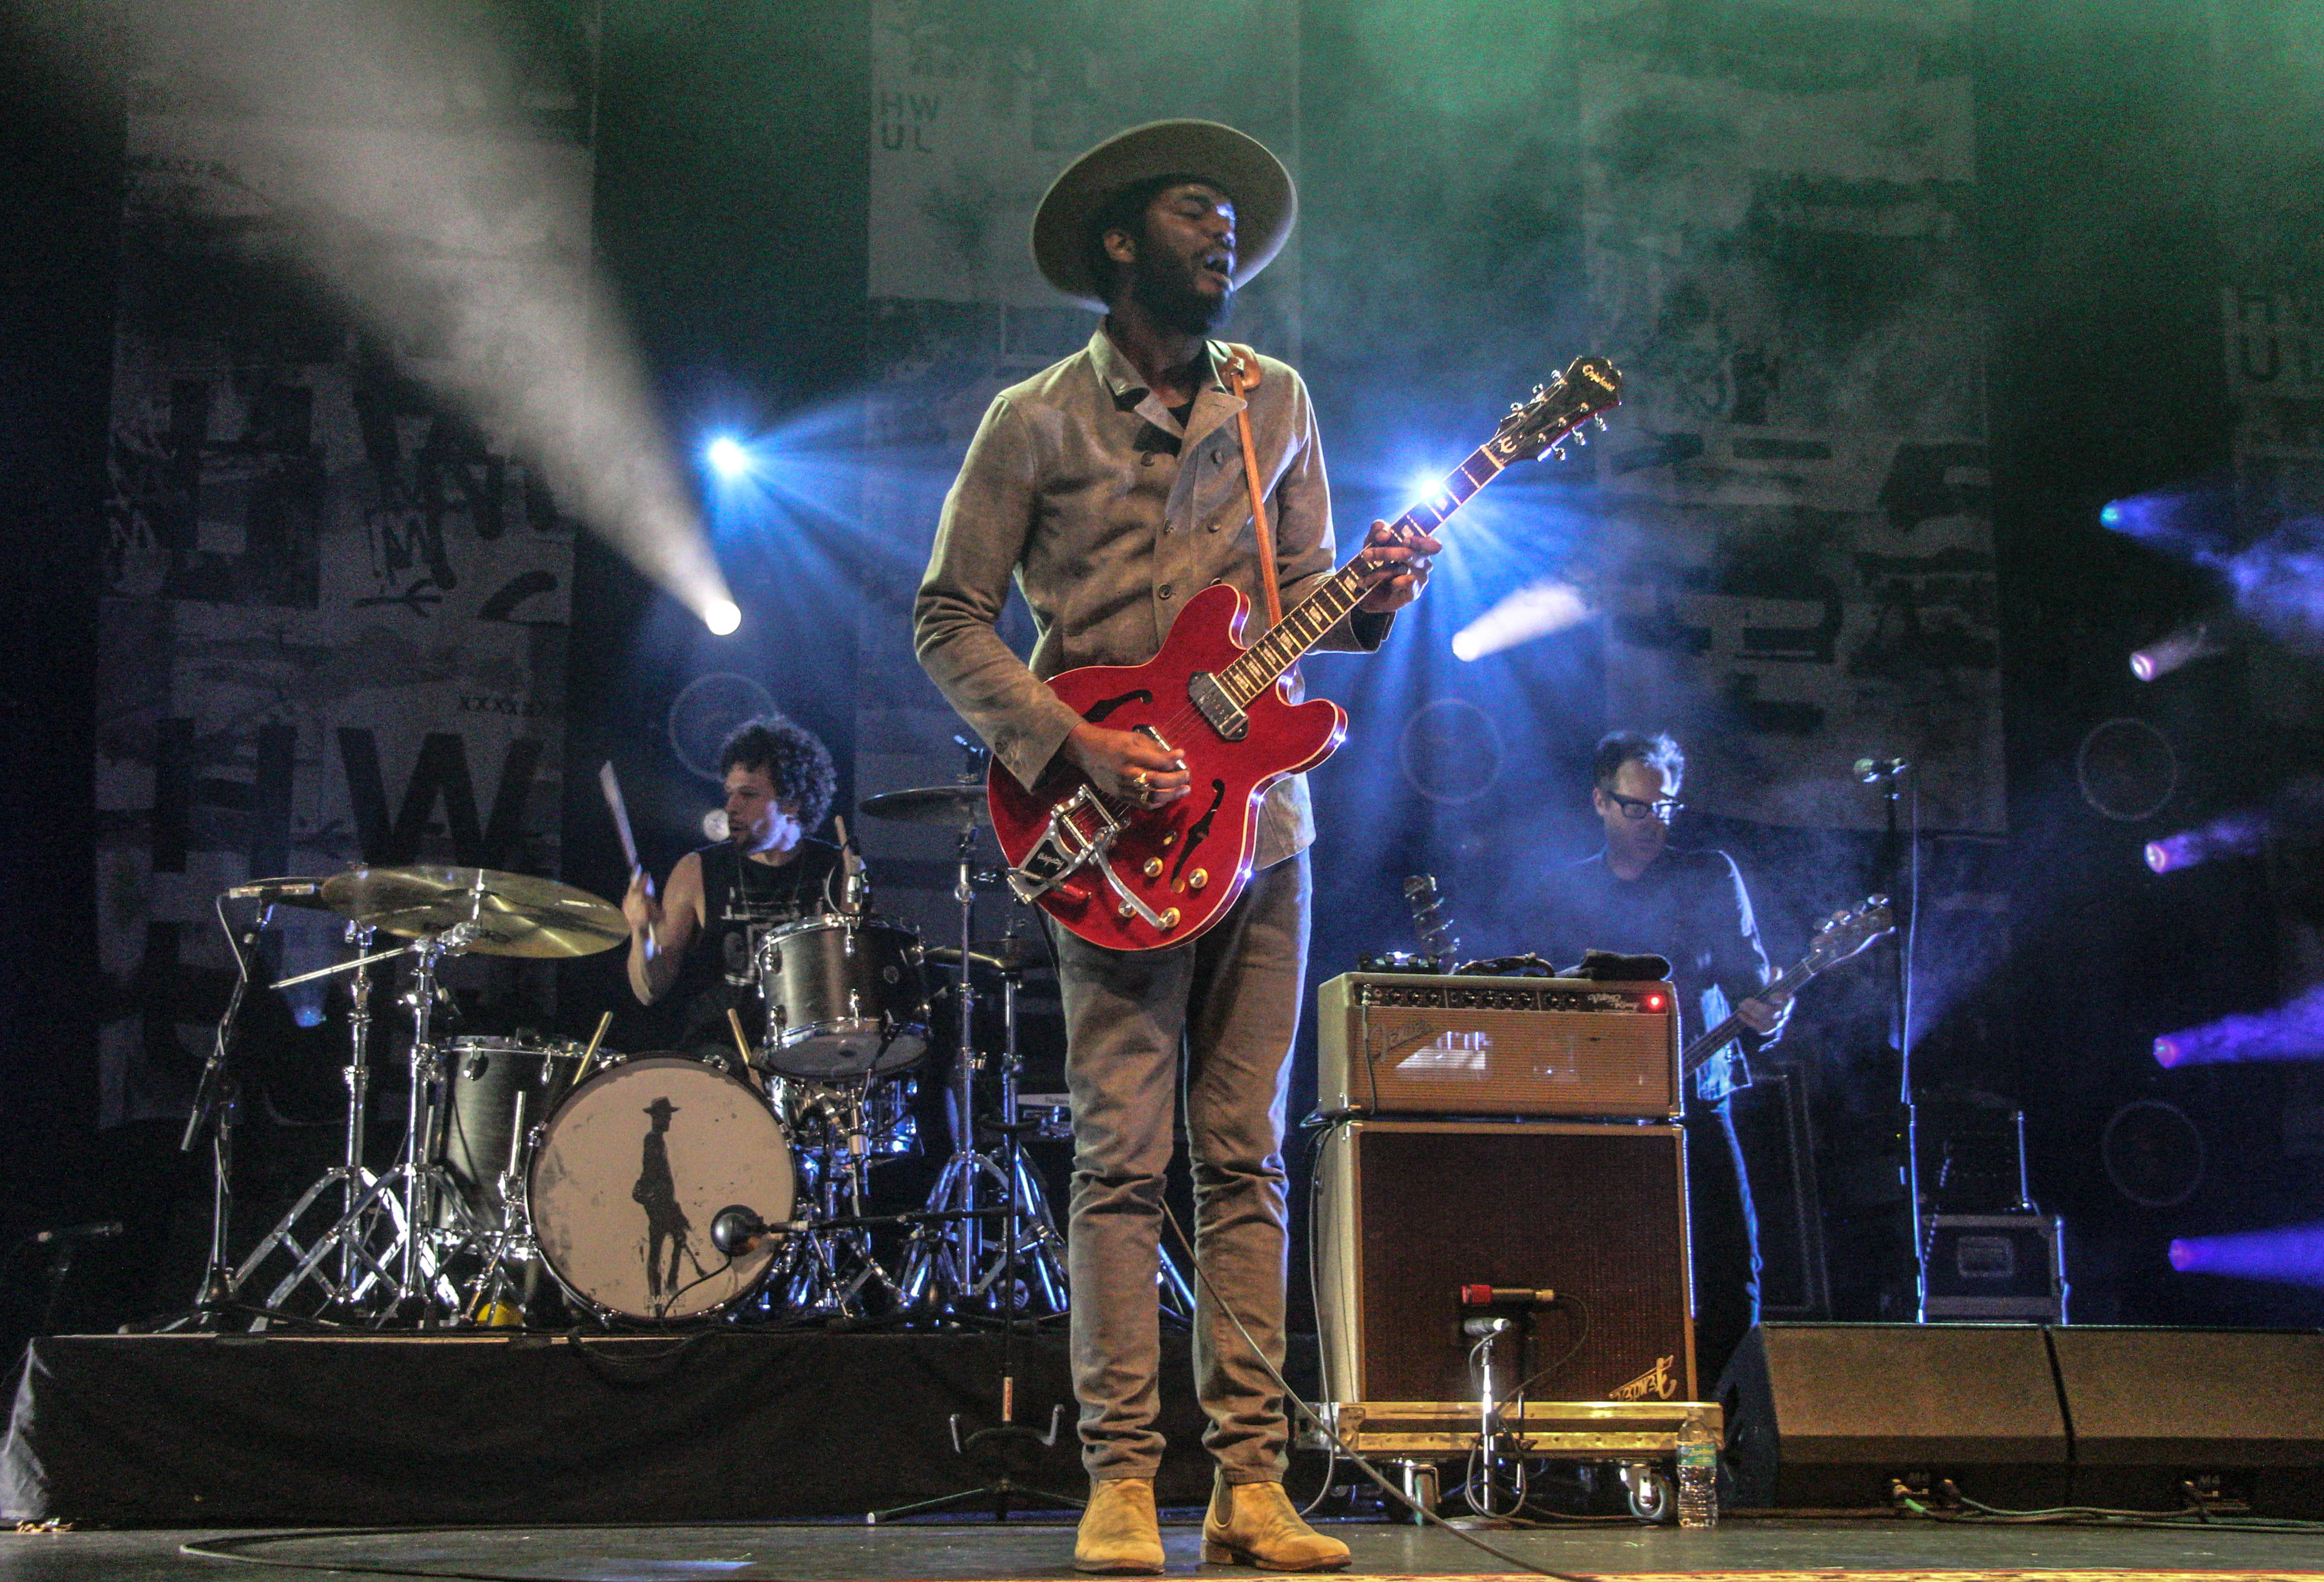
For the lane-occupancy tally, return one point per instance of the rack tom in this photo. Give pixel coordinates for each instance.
(845, 998)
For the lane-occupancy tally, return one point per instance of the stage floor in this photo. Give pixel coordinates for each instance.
(1881, 1549)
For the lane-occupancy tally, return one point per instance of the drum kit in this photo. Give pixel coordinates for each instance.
(655, 1188)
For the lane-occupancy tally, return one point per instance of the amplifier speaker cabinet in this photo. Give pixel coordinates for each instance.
(1410, 1211)
(1414, 1043)
(1825, 1416)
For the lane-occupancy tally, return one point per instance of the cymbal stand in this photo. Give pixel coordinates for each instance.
(418, 1187)
(946, 1260)
(362, 1270)
(1034, 1234)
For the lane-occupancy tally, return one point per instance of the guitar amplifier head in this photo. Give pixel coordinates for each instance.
(1409, 1044)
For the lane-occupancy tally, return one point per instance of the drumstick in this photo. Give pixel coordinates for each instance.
(610, 784)
(589, 1057)
(742, 1044)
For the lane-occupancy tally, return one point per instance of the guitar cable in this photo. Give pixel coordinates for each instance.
(1340, 1447)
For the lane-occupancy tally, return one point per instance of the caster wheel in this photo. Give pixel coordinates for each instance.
(1652, 1497)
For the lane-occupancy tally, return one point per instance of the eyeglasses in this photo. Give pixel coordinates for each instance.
(1662, 807)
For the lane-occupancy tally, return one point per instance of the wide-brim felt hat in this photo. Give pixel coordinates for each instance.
(1266, 203)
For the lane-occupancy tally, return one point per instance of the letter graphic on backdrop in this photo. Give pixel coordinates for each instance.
(330, 604)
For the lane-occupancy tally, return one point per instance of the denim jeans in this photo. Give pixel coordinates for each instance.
(1214, 1022)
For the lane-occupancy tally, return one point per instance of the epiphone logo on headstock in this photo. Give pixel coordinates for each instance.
(1598, 379)
(1656, 1381)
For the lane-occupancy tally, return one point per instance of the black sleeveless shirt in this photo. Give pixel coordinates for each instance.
(740, 900)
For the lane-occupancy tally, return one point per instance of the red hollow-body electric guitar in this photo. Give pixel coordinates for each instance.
(1134, 878)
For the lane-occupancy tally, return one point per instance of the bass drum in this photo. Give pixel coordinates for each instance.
(632, 1170)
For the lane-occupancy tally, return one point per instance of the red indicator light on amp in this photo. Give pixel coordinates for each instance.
(1653, 1002)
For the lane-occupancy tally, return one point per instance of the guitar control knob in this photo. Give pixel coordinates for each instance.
(1125, 912)
(1198, 878)
(1170, 919)
(1153, 869)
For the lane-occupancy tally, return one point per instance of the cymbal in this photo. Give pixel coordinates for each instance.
(950, 805)
(516, 914)
(1007, 953)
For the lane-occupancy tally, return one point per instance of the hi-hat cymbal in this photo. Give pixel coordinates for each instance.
(1007, 953)
(950, 805)
(515, 913)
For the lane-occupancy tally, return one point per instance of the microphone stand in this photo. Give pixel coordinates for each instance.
(1896, 854)
(217, 1107)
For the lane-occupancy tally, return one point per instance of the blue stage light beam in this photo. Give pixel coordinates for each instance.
(2285, 1255)
(729, 457)
(2291, 1032)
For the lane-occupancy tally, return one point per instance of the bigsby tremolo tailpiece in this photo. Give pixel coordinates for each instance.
(1066, 846)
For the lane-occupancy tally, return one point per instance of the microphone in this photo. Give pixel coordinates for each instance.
(275, 890)
(95, 1230)
(1871, 771)
(1483, 1328)
(737, 1229)
(1506, 1296)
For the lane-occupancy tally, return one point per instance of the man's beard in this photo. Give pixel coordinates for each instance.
(1168, 293)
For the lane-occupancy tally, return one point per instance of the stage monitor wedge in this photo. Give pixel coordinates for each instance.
(1828, 1416)
(2152, 1409)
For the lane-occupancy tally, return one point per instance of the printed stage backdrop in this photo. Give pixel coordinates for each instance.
(1799, 570)
(974, 108)
(335, 613)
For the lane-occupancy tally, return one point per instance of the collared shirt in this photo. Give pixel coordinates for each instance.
(1110, 515)
(1689, 907)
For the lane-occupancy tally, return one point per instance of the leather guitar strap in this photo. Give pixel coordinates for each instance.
(1241, 379)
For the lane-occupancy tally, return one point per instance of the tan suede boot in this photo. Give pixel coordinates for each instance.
(1256, 1524)
(1118, 1536)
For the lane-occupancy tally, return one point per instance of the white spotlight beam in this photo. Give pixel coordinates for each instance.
(452, 243)
(1533, 612)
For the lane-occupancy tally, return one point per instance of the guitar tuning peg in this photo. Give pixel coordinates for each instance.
(1539, 389)
(1557, 452)
(1516, 406)
(1601, 420)
(1580, 436)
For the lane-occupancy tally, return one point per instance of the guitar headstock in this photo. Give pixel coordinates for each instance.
(1845, 934)
(1588, 386)
(1428, 918)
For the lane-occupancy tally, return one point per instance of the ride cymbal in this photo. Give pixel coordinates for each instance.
(949, 805)
(515, 913)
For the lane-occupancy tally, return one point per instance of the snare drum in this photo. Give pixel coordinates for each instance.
(845, 999)
(498, 1088)
(630, 1174)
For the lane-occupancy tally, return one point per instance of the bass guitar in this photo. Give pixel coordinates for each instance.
(1836, 938)
(1135, 878)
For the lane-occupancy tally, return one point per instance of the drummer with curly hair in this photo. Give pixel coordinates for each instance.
(691, 947)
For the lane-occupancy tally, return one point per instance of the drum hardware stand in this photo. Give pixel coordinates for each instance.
(827, 1241)
(352, 1232)
(411, 1193)
(938, 1266)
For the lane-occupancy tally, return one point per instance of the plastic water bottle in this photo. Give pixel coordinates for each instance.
(1698, 1473)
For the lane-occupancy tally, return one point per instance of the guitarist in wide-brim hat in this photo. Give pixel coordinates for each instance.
(1112, 487)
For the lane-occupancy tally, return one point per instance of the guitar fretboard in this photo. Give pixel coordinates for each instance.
(1302, 626)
